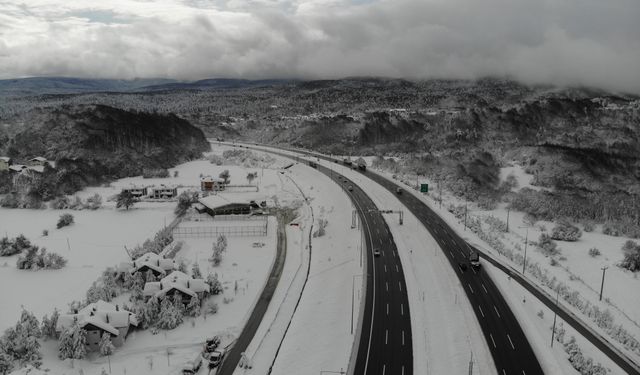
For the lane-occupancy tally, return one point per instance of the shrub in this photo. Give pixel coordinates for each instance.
(45, 233)
(553, 262)
(76, 203)
(322, 224)
(185, 200)
(611, 229)
(631, 259)
(547, 245)
(564, 231)
(588, 226)
(94, 202)
(35, 258)
(594, 252)
(60, 203)
(11, 200)
(65, 220)
(216, 159)
(211, 307)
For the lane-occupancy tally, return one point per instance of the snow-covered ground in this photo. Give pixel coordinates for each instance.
(97, 239)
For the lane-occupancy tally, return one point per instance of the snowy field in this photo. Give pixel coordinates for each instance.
(97, 239)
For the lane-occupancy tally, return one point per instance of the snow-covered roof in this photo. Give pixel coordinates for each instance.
(101, 314)
(5, 158)
(38, 158)
(36, 168)
(154, 262)
(175, 281)
(219, 200)
(211, 179)
(17, 167)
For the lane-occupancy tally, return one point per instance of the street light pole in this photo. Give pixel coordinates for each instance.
(604, 269)
(353, 287)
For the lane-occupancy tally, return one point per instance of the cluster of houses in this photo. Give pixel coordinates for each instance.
(24, 174)
(100, 317)
(153, 192)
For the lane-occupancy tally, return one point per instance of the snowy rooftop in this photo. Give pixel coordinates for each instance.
(223, 199)
(101, 314)
(176, 280)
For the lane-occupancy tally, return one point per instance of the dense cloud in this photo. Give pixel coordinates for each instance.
(575, 42)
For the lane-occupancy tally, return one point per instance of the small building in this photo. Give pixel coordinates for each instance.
(98, 318)
(17, 168)
(136, 191)
(154, 262)
(163, 192)
(38, 161)
(209, 183)
(178, 282)
(5, 163)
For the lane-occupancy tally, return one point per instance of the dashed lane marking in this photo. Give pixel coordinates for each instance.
(495, 308)
(494, 343)
(511, 342)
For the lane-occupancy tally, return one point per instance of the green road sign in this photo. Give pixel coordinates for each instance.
(424, 188)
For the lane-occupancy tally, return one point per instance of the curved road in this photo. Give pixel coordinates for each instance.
(385, 346)
(510, 349)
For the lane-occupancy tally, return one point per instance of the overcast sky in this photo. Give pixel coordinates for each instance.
(576, 42)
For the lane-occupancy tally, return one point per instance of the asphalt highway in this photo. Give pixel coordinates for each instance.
(385, 346)
(509, 347)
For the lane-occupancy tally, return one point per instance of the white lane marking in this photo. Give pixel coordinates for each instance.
(485, 289)
(494, 343)
(400, 286)
(495, 308)
(402, 337)
(504, 372)
(387, 309)
(474, 270)
(384, 368)
(402, 309)
(385, 268)
(397, 269)
(451, 252)
(481, 312)
(387, 285)
(386, 336)
(470, 288)
(378, 231)
(380, 240)
(403, 370)
(511, 342)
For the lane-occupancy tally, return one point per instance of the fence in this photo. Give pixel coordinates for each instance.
(258, 227)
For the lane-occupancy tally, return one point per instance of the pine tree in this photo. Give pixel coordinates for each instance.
(215, 286)
(6, 363)
(193, 308)
(149, 277)
(195, 271)
(49, 325)
(169, 317)
(65, 344)
(151, 310)
(106, 347)
(72, 343)
(79, 343)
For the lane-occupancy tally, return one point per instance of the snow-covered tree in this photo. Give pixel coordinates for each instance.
(106, 347)
(225, 175)
(195, 271)
(193, 308)
(149, 277)
(215, 286)
(565, 231)
(72, 343)
(6, 362)
(169, 317)
(49, 325)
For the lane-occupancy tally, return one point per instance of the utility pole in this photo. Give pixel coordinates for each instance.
(465, 216)
(508, 210)
(526, 240)
(555, 316)
(604, 269)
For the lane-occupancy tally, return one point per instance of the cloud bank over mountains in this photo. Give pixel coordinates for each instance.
(565, 42)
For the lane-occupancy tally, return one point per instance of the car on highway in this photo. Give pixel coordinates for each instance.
(398, 190)
(215, 358)
(350, 188)
(376, 253)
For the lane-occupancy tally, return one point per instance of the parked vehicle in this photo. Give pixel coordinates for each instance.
(211, 344)
(193, 366)
(346, 161)
(215, 358)
(313, 164)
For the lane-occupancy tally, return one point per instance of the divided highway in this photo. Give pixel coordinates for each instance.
(510, 349)
(385, 346)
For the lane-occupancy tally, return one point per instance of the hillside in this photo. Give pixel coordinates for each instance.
(94, 143)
